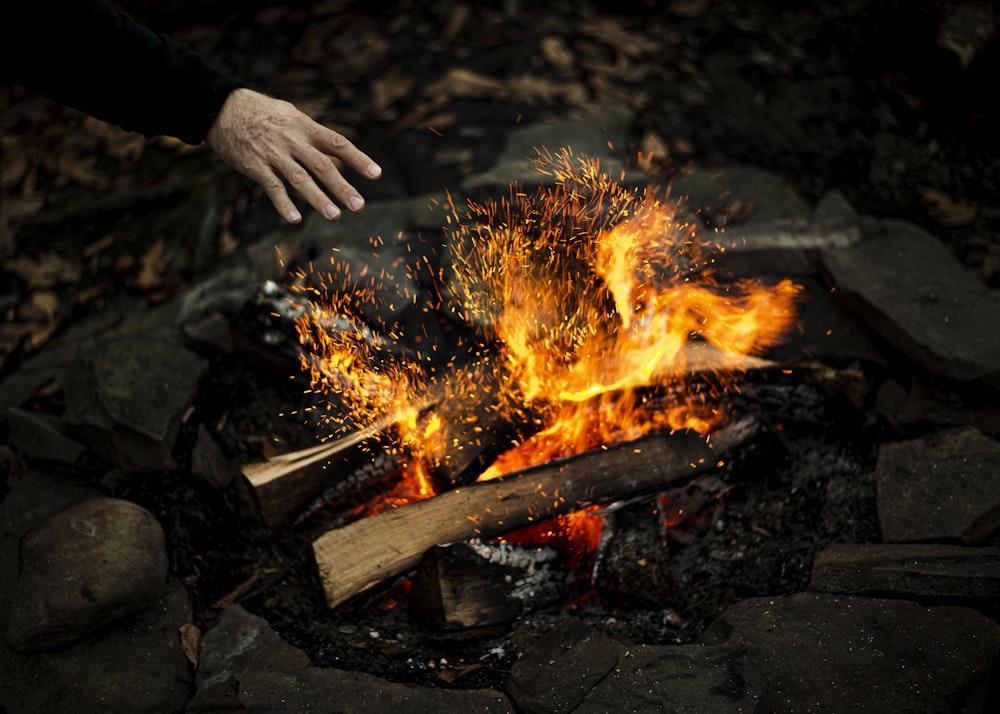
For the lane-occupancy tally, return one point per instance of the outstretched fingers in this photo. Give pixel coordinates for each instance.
(279, 147)
(274, 189)
(331, 143)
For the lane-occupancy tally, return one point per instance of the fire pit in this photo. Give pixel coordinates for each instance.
(588, 453)
(598, 319)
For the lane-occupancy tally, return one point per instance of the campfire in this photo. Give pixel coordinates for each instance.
(601, 347)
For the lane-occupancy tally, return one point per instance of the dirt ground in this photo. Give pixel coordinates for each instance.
(886, 101)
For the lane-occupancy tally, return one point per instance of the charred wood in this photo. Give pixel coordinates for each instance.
(361, 555)
(476, 587)
(478, 434)
(285, 484)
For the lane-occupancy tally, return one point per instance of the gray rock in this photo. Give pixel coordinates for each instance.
(33, 498)
(128, 394)
(44, 367)
(695, 679)
(833, 208)
(843, 654)
(137, 666)
(909, 571)
(227, 288)
(587, 137)
(711, 188)
(781, 246)
(85, 567)
(214, 331)
(239, 642)
(576, 669)
(912, 290)
(43, 436)
(560, 670)
(942, 487)
(208, 462)
(333, 691)
(919, 410)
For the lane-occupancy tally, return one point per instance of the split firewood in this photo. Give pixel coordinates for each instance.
(475, 587)
(365, 553)
(284, 485)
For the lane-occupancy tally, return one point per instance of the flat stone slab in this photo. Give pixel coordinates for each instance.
(128, 393)
(574, 668)
(767, 197)
(560, 670)
(238, 642)
(908, 570)
(601, 136)
(916, 294)
(43, 436)
(690, 678)
(87, 566)
(942, 487)
(828, 653)
(136, 666)
(314, 689)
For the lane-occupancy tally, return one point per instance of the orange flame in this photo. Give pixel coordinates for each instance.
(603, 302)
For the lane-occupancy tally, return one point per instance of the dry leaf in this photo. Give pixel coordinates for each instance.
(12, 334)
(609, 31)
(43, 305)
(227, 243)
(653, 146)
(45, 271)
(126, 146)
(98, 246)
(440, 121)
(15, 161)
(453, 674)
(190, 639)
(948, 211)
(69, 166)
(152, 266)
(88, 294)
(531, 89)
(689, 8)
(41, 334)
(172, 143)
(389, 89)
(557, 53)
(16, 208)
(456, 22)
(458, 82)
(313, 108)
(653, 152)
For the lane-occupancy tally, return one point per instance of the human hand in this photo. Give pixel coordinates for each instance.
(272, 142)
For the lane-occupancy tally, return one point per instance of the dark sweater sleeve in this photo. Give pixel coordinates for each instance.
(84, 54)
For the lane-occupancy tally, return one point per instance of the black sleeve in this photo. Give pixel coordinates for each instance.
(84, 54)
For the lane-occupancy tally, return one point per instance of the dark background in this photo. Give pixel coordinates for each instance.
(861, 96)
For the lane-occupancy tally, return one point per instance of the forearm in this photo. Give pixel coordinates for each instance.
(85, 54)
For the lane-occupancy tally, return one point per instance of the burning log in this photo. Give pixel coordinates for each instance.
(365, 553)
(286, 483)
(475, 587)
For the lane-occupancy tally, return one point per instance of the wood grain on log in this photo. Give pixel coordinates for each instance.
(285, 484)
(365, 553)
